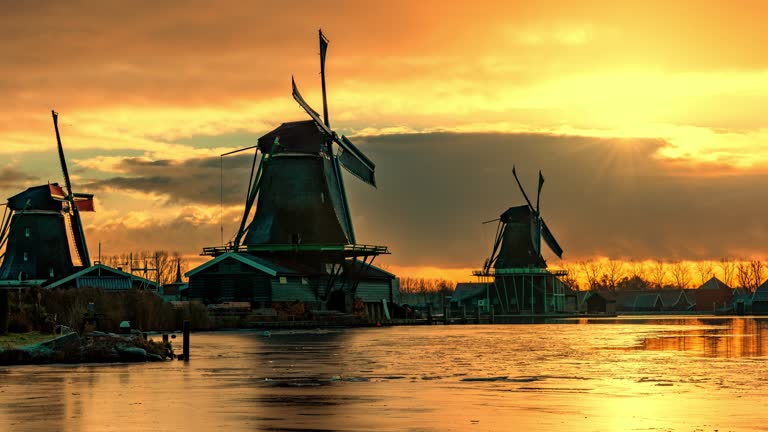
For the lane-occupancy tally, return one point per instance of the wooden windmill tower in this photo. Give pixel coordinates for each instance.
(42, 231)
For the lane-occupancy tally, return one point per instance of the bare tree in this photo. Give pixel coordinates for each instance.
(757, 273)
(744, 274)
(613, 271)
(681, 274)
(658, 273)
(705, 270)
(637, 269)
(727, 270)
(571, 278)
(592, 270)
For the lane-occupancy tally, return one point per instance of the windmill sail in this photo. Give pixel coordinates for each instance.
(87, 202)
(550, 240)
(354, 161)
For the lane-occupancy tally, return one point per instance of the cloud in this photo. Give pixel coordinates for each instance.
(209, 180)
(602, 197)
(12, 178)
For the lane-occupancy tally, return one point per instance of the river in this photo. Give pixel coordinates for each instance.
(639, 374)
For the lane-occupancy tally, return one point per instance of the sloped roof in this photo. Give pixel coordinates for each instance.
(608, 296)
(110, 272)
(714, 284)
(368, 271)
(761, 293)
(673, 297)
(271, 267)
(465, 290)
(647, 300)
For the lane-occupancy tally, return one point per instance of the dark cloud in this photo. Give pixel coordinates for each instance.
(601, 197)
(607, 197)
(205, 181)
(13, 179)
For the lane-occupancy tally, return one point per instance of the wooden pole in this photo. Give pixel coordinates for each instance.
(3, 311)
(477, 315)
(492, 317)
(464, 314)
(429, 314)
(185, 330)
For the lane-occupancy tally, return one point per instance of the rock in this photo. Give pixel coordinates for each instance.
(154, 357)
(66, 348)
(132, 353)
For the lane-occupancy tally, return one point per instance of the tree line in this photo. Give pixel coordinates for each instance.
(615, 274)
(159, 265)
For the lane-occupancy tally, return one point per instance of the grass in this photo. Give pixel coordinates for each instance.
(15, 340)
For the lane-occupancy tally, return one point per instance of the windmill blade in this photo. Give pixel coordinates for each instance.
(514, 173)
(312, 113)
(351, 157)
(354, 161)
(546, 234)
(538, 194)
(79, 236)
(61, 152)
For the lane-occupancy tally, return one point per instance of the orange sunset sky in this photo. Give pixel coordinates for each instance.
(647, 118)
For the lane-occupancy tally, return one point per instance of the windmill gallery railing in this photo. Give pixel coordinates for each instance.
(351, 250)
(519, 271)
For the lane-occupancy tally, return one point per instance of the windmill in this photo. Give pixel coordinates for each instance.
(42, 231)
(298, 188)
(516, 268)
(301, 220)
(519, 234)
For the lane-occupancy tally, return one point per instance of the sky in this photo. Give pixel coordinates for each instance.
(646, 119)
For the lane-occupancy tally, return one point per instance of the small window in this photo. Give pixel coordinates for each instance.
(26, 256)
(283, 280)
(50, 271)
(27, 232)
(304, 281)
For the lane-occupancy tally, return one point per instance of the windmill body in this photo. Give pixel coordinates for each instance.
(520, 242)
(37, 245)
(299, 198)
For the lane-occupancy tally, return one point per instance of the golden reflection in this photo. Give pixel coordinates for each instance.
(728, 338)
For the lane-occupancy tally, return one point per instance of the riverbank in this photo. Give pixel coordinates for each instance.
(94, 347)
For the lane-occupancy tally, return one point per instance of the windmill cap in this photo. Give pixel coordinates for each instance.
(294, 137)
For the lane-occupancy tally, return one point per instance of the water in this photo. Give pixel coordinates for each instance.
(659, 374)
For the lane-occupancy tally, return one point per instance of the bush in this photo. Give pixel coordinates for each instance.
(19, 323)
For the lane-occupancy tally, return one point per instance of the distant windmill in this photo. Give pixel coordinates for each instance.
(519, 234)
(42, 228)
(298, 184)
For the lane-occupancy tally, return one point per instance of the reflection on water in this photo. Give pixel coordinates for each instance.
(710, 337)
(665, 373)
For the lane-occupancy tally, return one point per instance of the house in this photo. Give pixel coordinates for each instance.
(741, 301)
(470, 294)
(243, 277)
(648, 302)
(638, 301)
(104, 277)
(713, 294)
(675, 300)
(760, 300)
(600, 302)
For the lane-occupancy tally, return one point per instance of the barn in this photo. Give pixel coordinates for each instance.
(242, 277)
